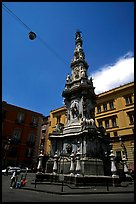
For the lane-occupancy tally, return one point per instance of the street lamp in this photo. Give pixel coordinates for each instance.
(123, 146)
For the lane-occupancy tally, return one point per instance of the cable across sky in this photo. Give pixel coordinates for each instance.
(29, 29)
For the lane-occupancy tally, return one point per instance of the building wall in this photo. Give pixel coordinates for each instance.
(44, 135)
(123, 112)
(120, 111)
(20, 135)
(56, 116)
(115, 119)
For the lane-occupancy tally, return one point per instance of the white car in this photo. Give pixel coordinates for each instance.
(11, 170)
(25, 169)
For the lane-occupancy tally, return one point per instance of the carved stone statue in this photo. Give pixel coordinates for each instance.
(78, 34)
(75, 111)
(59, 127)
(68, 78)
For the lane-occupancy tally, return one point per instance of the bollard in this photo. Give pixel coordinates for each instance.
(62, 187)
(35, 182)
(61, 178)
(107, 186)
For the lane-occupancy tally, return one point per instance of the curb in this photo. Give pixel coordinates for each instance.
(73, 193)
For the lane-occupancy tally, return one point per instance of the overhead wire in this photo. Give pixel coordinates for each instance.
(28, 28)
(53, 51)
(15, 16)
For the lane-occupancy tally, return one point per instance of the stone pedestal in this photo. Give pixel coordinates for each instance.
(92, 167)
(49, 166)
(64, 165)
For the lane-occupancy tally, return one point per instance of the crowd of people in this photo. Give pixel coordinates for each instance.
(16, 182)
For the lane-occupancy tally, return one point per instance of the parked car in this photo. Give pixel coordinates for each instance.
(11, 170)
(24, 169)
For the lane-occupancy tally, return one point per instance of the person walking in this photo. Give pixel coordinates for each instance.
(13, 179)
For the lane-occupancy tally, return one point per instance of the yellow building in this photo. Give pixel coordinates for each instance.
(115, 112)
(57, 116)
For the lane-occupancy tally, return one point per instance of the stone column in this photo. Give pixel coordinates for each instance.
(113, 167)
(125, 164)
(39, 168)
(72, 163)
(78, 165)
(55, 167)
(84, 147)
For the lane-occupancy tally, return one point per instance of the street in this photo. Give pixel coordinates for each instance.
(21, 195)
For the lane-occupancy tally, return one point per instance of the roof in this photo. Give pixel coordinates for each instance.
(116, 88)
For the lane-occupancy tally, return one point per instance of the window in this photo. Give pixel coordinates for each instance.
(131, 117)
(29, 152)
(114, 124)
(58, 119)
(107, 123)
(16, 136)
(34, 121)
(99, 123)
(44, 129)
(31, 138)
(99, 109)
(128, 100)
(108, 134)
(20, 117)
(105, 107)
(115, 134)
(111, 105)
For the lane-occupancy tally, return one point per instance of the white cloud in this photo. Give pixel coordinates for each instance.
(117, 74)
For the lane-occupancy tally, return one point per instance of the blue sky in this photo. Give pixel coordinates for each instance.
(34, 72)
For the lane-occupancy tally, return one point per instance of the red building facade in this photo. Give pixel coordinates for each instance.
(21, 130)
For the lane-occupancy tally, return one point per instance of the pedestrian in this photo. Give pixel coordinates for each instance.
(23, 180)
(14, 179)
(18, 184)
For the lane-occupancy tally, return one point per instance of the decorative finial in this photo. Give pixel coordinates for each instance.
(78, 34)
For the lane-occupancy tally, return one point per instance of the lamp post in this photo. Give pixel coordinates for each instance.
(123, 146)
(125, 158)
